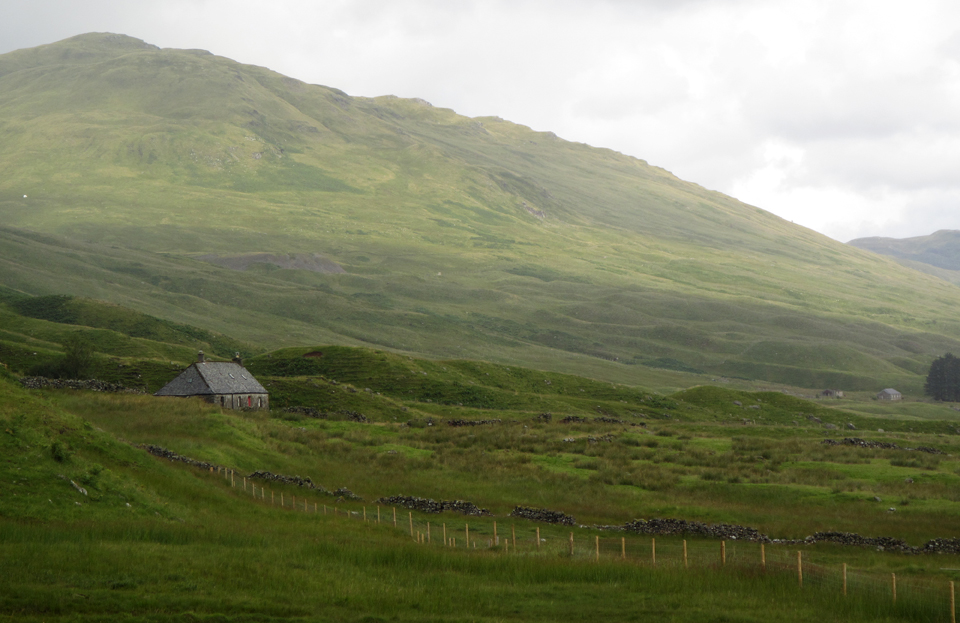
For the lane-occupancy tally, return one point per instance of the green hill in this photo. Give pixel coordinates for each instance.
(138, 175)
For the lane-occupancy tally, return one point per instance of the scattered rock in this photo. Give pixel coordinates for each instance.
(78, 488)
(829, 426)
(909, 481)
(606, 438)
(544, 417)
(457, 423)
(738, 403)
(573, 419)
(608, 420)
(850, 426)
(353, 416)
(876, 498)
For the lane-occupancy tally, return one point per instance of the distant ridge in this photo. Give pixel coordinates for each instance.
(940, 249)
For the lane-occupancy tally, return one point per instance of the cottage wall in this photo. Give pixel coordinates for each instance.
(241, 401)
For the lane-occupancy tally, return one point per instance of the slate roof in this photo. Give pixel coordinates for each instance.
(211, 378)
(890, 392)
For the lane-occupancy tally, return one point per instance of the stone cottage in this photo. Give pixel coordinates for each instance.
(225, 383)
(889, 394)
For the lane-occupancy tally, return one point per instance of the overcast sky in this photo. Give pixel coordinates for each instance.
(840, 115)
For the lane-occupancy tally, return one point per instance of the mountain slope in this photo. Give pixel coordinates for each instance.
(457, 237)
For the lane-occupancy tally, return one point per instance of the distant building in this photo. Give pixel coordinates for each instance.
(889, 394)
(831, 393)
(225, 383)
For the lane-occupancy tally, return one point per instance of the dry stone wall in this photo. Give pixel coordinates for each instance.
(426, 505)
(543, 515)
(882, 445)
(40, 382)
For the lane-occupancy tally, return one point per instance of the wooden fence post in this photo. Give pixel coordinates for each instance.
(723, 553)
(953, 605)
(364, 514)
(314, 508)
(378, 513)
(538, 538)
(281, 499)
(844, 579)
(394, 516)
(596, 541)
(428, 532)
(445, 535)
(623, 548)
(893, 587)
(410, 515)
(233, 478)
(684, 553)
(800, 568)
(763, 558)
(653, 551)
(467, 530)
(571, 545)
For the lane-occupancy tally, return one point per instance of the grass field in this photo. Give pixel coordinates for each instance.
(154, 540)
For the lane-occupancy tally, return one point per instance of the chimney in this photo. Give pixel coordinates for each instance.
(200, 357)
(237, 360)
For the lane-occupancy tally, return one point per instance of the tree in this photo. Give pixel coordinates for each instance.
(78, 357)
(943, 380)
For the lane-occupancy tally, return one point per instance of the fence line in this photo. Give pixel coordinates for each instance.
(743, 557)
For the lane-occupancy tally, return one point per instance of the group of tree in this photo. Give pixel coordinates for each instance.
(943, 380)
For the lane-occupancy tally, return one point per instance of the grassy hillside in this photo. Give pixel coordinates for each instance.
(460, 238)
(151, 539)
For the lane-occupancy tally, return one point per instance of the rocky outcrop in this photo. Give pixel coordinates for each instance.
(573, 419)
(543, 515)
(882, 445)
(93, 385)
(425, 505)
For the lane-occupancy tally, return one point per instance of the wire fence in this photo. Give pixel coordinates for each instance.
(933, 600)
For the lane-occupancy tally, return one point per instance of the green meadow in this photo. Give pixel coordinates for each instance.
(155, 540)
